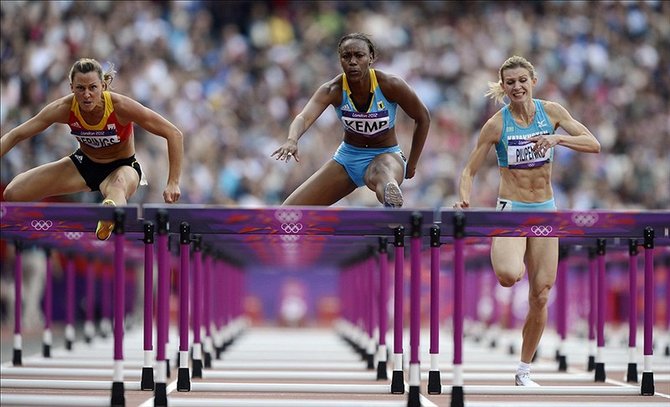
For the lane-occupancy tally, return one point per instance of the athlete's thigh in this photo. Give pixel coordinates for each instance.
(124, 177)
(383, 165)
(542, 261)
(507, 254)
(325, 187)
(55, 178)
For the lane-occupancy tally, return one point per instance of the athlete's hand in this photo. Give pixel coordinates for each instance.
(462, 204)
(287, 151)
(543, 143)
(171, 194)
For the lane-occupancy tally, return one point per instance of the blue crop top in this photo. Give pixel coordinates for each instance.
(514, 151)
(377, 120)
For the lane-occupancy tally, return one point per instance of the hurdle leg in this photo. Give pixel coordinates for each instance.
(207, 310)
(414, 379)
(600, 375)
(397, 378)
(593, 276)
(69, 302)
(648, 388)
(631, 374)
(457, 396)
(197, 306)
(183, 379)
(18, 301)
(162, 312)
(370, 294)
(147, 379)
(47, 336)
(383, 313)
(118, 397)
(434, 379)
(89, 327)
(562, 307)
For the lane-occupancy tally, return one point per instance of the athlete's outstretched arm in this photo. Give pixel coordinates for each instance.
(131, 110)
(54, 112)
(396, 89)
(317, 104)
(489, 135)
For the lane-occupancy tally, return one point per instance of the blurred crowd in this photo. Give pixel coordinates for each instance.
(233, 74)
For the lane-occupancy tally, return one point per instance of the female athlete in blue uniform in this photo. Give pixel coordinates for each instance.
(365, 100)
(522, 133)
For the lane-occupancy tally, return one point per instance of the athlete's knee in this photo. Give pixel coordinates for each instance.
(508, 275)
(539, 299)
(507, 279)
(12, 192)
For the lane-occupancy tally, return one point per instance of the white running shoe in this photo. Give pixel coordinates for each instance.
(524, 380)
(392, 196)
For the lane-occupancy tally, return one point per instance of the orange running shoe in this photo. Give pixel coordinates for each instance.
(105, 227)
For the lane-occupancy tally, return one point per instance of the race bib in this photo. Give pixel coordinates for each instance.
(520, 154)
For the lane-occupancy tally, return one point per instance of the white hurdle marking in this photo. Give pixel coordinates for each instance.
(52, 400)
(65, 384)
(293, 388)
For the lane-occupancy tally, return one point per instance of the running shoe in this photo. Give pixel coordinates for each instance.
(392, 196)
(105, 227)
(524, 379)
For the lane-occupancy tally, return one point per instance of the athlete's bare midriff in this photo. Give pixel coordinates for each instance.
(387, 139)
(526, 185)
(112, 153)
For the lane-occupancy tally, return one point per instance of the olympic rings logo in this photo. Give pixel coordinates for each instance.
(584, 219)
(291, 227)
(41, 224)
(73, 235)
(289, 238)
(541, 230)
(288, 215)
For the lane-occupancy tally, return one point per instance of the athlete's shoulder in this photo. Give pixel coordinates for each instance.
(493, 126)
(59, 109)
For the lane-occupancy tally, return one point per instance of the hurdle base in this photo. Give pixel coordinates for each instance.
(631, 374)
(397, 382)
(46, 350)
(562, 363)
(16, 357)
(381, 371)
(647, 388)
(68, 344)
(667, 350)
(591, 364)
(434, 382)
(118, 397)
(371, 360)
(160, 395)
(413, 397)
(457, 399)
(197, 368)
(147, 382)
(183, 381)
(88, 339)
(510, 350)
(600, 372)
(208, 360)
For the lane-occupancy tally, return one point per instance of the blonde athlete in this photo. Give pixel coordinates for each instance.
(522, 133)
